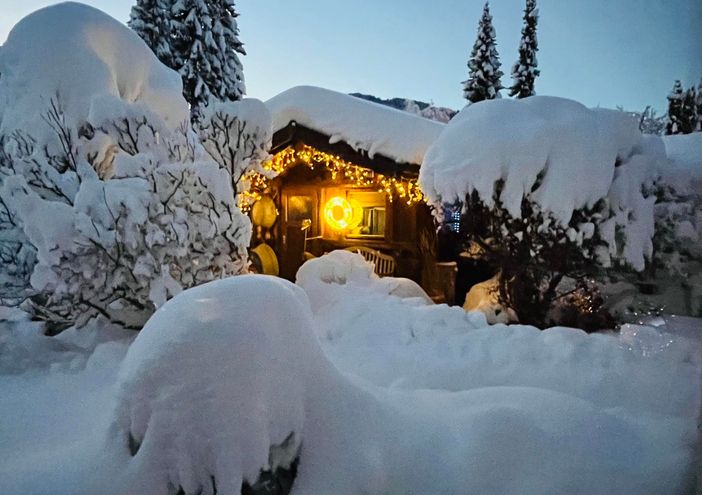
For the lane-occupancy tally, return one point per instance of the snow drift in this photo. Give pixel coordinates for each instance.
(364, 125)
(85, 59)
(210, 385)
(402, 343)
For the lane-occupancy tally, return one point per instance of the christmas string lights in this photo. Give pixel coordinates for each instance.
(402, 188)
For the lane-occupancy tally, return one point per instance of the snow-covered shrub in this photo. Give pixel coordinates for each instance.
(671, 281)
(548, 190)
(114, 202)
(17, 258)
(119, 247)
(676, 266)
(237, 135)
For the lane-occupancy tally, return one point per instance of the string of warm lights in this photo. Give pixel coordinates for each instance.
(401, 188)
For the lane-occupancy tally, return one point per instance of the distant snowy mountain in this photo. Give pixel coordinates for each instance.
(421, 108)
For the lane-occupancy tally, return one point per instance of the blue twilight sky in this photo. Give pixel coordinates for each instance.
(600, 52)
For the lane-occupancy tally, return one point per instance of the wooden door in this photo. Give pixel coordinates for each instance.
(299, 220)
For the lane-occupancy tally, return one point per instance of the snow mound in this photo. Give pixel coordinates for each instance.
(210, 385)
(364, 125)
(329, 277)
(574, 148)
(85, 60)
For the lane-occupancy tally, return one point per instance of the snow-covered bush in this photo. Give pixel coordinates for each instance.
(548, 190)
(237, 135)
(116, 205)
(671, 281)
(678, 244)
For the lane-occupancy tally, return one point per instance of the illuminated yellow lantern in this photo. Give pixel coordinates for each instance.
(338, 213)
(264, 213)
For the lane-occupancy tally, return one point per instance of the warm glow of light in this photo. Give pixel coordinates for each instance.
(403, 188)
(338, 213)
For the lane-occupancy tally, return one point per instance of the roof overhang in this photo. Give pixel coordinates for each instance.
(295, 134)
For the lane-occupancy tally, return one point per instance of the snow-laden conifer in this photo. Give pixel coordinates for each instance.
(150, 19)
(484, 75)
(206, 52)
(675, 104)
(524, 71)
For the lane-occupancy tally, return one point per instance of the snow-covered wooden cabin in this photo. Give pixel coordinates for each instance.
(348, 172)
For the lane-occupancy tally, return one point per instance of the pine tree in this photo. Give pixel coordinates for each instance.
(205, 51)
(675, 103)
(524, 71)
(688, 112)
(698, 107)
(484, 64)
(150, 19)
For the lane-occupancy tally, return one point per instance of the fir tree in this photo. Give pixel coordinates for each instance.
(150, 19)
(484, 64)
(698, 107)
(675, 103)
(206, 48)
(688, 112)
(524, 71)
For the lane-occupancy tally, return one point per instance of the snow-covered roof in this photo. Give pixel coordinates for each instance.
(364, 125)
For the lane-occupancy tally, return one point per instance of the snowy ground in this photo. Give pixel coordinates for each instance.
(435, 372)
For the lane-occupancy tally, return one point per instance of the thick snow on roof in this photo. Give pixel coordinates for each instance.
(87, 60)
(685, 154)
(517, 140)
(364, 125)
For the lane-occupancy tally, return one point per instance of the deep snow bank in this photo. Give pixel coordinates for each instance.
(210, 384)
(54, 418)
(397, 342)
(85, 59)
